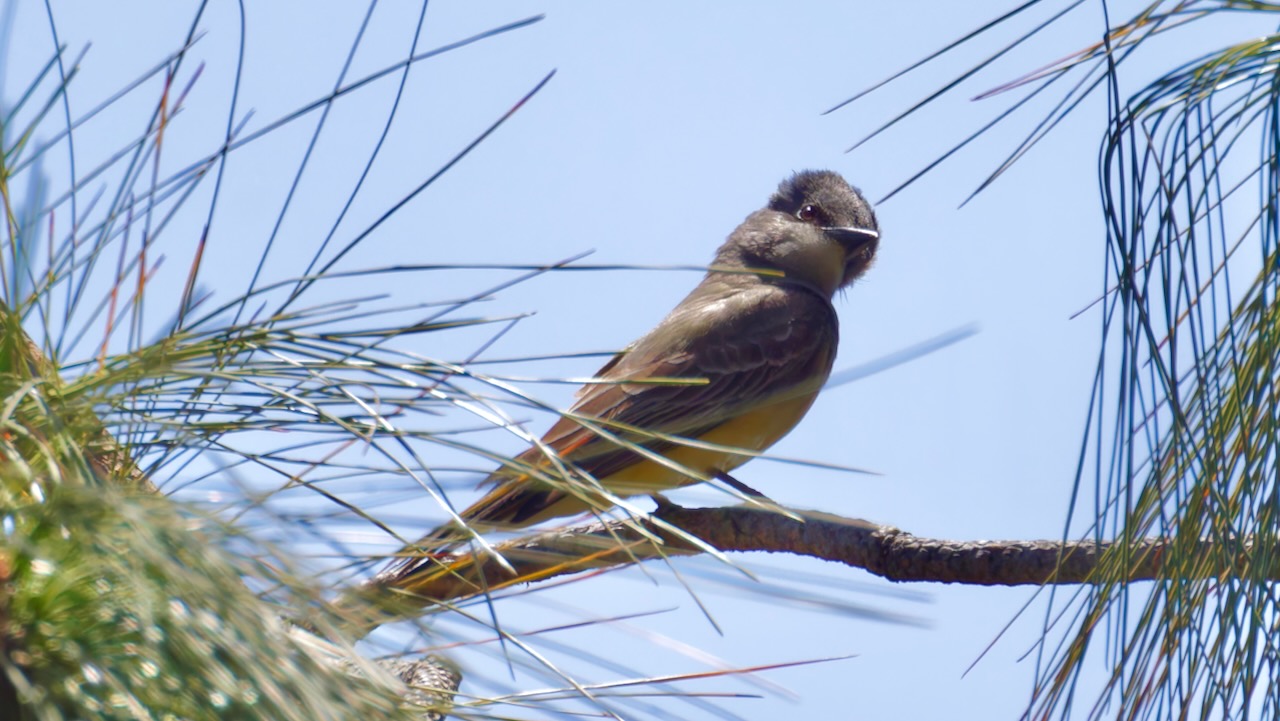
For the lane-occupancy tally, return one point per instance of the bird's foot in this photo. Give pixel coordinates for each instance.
(740, 487)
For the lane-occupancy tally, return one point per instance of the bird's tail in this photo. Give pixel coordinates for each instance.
(511, 505)
(400, 591)
(436, 566)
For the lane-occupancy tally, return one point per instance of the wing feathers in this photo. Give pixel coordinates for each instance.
(748, 344)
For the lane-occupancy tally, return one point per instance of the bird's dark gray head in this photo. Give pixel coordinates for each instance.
(817, 229)
(825, 199)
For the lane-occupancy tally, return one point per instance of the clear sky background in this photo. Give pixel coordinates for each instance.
(665, 125)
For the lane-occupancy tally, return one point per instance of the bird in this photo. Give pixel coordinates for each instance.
(732, 368)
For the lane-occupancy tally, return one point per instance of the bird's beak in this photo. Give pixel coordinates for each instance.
(852, 238)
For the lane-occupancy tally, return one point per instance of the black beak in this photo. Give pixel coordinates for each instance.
(852, 238)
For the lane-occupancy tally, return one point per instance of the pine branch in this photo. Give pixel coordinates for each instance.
(882, 550)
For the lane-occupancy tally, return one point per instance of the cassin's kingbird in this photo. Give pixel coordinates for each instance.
(754, 342)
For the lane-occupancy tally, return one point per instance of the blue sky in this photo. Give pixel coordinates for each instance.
(665, 124)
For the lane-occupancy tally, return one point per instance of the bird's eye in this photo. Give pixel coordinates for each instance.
(808, 213)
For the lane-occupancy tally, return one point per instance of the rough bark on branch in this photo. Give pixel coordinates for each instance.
(882, 550)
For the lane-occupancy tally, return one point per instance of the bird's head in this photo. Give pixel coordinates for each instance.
(817, 230)
(820, 202)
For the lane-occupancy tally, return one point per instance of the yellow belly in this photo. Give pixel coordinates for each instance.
(753, 431)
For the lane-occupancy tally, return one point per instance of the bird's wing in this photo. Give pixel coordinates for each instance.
(747, 350)
(752, 347)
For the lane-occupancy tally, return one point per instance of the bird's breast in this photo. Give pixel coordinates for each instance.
(754, 430)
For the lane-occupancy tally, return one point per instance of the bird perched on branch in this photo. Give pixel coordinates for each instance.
(726, 374)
